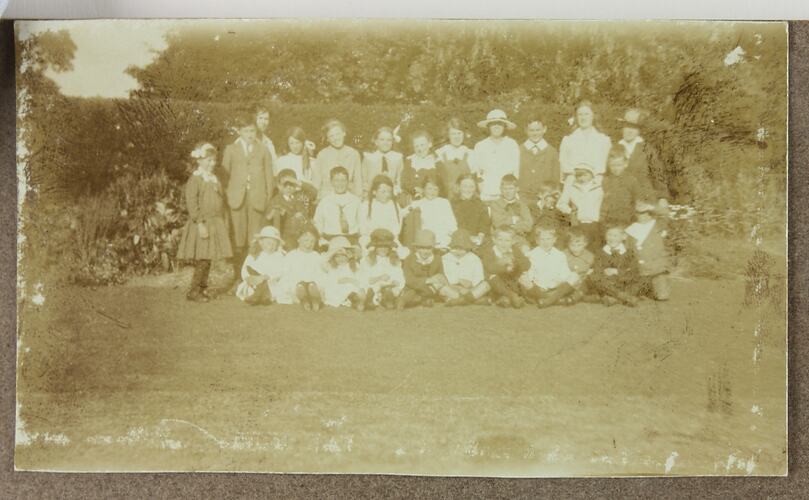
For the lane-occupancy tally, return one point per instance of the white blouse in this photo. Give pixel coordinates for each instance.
(295, 163)
(382, 216)
(492, 160)
(588, 146)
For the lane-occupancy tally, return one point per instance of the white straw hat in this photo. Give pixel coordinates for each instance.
(495, 116)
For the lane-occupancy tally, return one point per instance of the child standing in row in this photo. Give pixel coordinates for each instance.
(454, 158)
(263, 269)
(421, 163)
(471, 214)
(303, 272)
(463, 270)
(539, 163)
(205, 236)
(381, 270)
(495, 156)
(250, 183)
(621, 191)
(299, 159)
(384, 161)
(337, 154)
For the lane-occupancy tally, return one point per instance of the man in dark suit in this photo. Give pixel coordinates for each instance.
(248, 166)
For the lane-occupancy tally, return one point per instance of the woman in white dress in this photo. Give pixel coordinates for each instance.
(584, 146)
(496, 155)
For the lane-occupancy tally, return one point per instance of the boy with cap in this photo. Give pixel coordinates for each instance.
(581, 200)
(423, 273)
(463, 271)
(643, 162)
(647, 238)
(503, 264)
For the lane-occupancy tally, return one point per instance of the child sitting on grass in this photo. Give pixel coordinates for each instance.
(621, 190)
(381, 270)
(615, 274)
(464, 272)
(580, 261)
(303, 272)
(509, 211)
(341, 283)
(263, 269)
(503, 264)
(423, 273)
(289, 209)
(647, 239)
(205, 235)
(550, 280)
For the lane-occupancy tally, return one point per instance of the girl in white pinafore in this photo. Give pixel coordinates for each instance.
(263, 269)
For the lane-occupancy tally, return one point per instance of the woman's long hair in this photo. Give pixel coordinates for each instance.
(298, 134)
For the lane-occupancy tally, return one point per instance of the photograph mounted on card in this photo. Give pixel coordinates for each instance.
(500, 248)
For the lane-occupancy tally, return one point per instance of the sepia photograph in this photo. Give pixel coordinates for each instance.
(427, 247)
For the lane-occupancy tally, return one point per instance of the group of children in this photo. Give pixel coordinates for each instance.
(499, 223)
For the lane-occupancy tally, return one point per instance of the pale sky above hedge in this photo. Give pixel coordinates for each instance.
(103, 51)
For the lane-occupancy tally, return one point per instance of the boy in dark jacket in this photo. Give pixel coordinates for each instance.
(289, 210)
(615, 274)
(621, 190)
(503, 264)
(423, 273)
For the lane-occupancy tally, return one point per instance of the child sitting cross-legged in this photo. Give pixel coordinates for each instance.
(262, 269)
(341, 282)
(289, 210)
(464, 272)
(303, 273)
(381, 270)
(503, 264)
(549, 281)
(580, 261)
(615, 274)
(423, 272)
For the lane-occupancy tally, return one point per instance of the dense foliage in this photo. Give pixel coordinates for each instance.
(715, 95)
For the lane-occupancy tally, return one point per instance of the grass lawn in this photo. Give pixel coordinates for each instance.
(135, 378)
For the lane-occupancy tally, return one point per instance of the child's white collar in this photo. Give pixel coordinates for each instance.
(620, 250)
(541, 145)
(421, 163)
(206, 176)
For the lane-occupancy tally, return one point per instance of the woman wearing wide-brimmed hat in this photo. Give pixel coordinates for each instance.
(643, 161)
(585, 145)
(496, 155)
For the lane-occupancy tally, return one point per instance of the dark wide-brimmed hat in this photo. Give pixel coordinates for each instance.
(461, 239)
(382, 238)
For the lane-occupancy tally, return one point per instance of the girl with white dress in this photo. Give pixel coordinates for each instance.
(436, 212)
(381, 270)
(263, 269)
